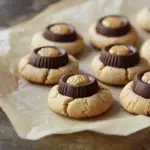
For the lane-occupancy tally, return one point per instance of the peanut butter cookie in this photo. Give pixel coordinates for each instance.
(46, 65)
(112, 29)
(118, 64)
(135, 96)
(79, 96)
(60, 35)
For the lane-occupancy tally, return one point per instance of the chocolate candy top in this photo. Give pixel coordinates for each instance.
(60, 32)
(113, 26)
(120, 56)
(49, 57)
(141, 84)
(78, 85)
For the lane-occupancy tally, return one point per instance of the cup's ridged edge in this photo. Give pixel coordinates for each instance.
(49, 62)
(48, 34)
(78, 91)
(110, 32)
(119, 61)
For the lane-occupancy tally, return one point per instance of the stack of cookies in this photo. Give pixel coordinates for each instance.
(79, 95)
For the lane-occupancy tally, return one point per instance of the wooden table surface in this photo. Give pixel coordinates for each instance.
(78, 141)
(9, 140)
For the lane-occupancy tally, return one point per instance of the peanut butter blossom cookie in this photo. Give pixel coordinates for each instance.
(110, 30)
(135, 97)
(46, 65)
(118, 64)
(143, 18)
(60, 35)
(79, 96)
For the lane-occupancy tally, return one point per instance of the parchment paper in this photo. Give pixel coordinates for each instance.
(26, 104)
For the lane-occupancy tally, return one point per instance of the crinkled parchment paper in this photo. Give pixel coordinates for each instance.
(26, 104)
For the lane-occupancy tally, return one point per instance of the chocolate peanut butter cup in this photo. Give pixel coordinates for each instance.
(80, 90)
(140, 87)
(60, 32)
(120, 61)
(56, 59)
(120, 28)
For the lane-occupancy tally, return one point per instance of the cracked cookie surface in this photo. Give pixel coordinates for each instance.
(134, 103)
(73, 47)
(80, 107)
(101, 41)
(116, 76)
(43, 75)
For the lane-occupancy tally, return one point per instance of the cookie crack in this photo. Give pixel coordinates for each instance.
(86, 104)
(25, 64)
(134, 104)
(84, 112)
(131, 102)
(55, 95)
(61, 72)
(123, 96)
(101, 99)
(66, 106)
(98, 72)
(102, 66)
(23, 67)
(46, 75)
(128, 105)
